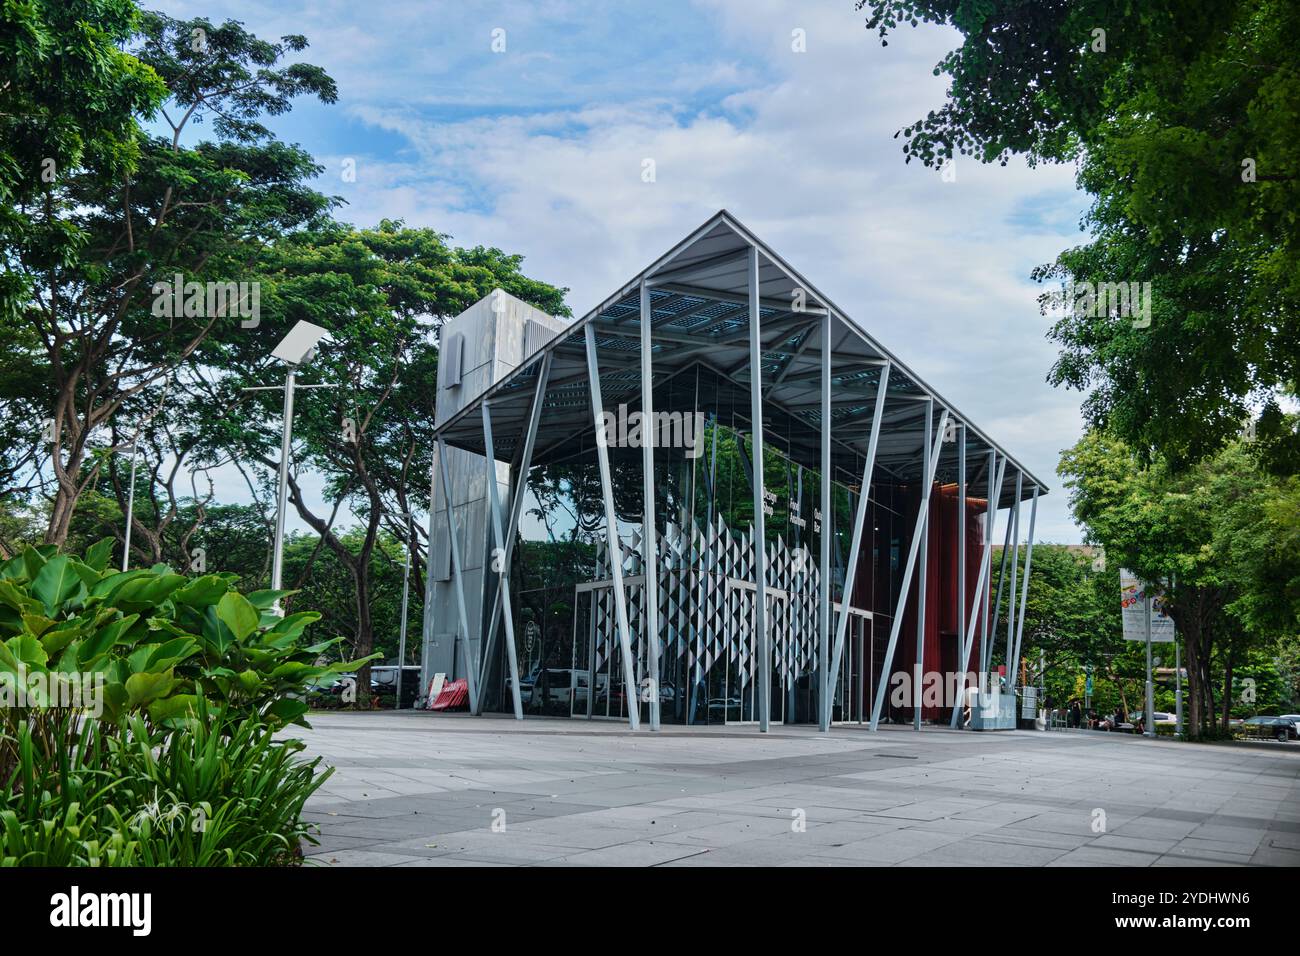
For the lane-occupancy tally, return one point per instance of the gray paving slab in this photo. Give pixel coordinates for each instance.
(417, 789)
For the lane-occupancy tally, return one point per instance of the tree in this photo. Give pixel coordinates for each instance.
(1180, 116)
(382, 294)
(69, 99)
(1207, 532)
(106, 238)
(1072, 617)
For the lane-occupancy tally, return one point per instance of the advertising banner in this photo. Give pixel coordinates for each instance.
(1138, 600)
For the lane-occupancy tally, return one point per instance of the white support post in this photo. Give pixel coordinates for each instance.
(824, 686)
(963, 663)
(426, 617)
(981, 587)
(1002, 580)
(281, 491)
(990, 514)
(918, 679)
(630, 689)
(920, 530)
(859, 521)
(649, 545)
(1015, 567)
(519, 477)
(1024, 584)
(499, 565)
(763, 649)
(471, 665)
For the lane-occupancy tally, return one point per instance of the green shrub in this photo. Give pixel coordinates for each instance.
(138, 712)
(76, 636)
(217, 791)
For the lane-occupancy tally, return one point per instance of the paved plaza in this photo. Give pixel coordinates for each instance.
(418, 789)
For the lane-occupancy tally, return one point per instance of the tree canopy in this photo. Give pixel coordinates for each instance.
(1180, 118)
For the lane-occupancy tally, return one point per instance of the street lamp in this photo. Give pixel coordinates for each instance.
(130, 495)
(295, 350)
(130, 502)
(406, 589)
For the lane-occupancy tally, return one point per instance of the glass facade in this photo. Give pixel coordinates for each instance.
(570, 659)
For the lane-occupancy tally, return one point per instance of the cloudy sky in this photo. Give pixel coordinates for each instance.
(538, 149)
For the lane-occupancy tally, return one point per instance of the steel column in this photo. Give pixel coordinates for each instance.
(859, 520)
(824, 543)
(1002, 580)
(964, 662)
(922, 585)
(502, 568)
(519, 477)
(967, 639)
(1024, 585)
(1015, 568)
(471, 665)
(630, 690)
(990, 513)
(649, 546)
(897, 623)
(764, 649)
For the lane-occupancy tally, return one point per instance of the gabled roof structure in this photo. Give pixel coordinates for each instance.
(699, 300)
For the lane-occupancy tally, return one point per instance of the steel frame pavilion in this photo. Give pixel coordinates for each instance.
(723, 299)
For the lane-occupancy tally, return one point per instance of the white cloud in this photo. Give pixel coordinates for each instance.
(800, 146)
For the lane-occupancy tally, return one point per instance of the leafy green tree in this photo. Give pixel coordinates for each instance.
(1180, 117)
(1072, 617)
(326, 584)
(1207, 531)
(382, 294)
(105, 236)
(70, 98)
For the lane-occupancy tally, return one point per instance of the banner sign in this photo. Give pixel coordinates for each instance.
(1138, 601)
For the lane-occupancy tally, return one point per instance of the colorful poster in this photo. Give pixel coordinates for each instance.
(1137, 601)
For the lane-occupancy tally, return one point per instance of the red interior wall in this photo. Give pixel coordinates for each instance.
(941, 616)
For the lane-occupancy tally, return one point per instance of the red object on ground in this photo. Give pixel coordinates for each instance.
(455, 694)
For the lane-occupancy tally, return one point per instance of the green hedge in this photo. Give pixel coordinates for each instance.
(220, 793)
(138, 713)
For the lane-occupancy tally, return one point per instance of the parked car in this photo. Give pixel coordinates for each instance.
(383, 680)
(1279, 728)
(553, 688)
(341, 683)
(526, 684)
(1160, 718)
(722, 709)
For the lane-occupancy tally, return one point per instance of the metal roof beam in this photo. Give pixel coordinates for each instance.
(719, 295)
(681, 273)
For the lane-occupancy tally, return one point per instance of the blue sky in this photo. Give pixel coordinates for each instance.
(538, 149)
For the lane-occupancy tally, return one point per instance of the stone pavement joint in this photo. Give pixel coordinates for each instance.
(417, 789)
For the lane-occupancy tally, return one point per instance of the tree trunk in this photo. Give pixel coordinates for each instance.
(365, 642)
(1190, 628)
(65, 502)
(1227, 686)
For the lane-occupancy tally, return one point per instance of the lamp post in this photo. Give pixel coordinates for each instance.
(296, 349)
(130, 494)
(130, 503)
(406, 590)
